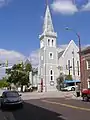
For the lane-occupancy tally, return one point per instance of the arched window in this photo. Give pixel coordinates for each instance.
(48, 42)
(51, 72)
(78, 66)
(51, 55)
(51, 75)
(52, 43)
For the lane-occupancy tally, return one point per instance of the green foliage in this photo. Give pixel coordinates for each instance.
(3, 83)
(28, 67)
(60, 80)
(8, 71)
(68, 77)
(19, 74)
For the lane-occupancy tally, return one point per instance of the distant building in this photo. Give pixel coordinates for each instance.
(85, 55)
(27, 61)
(32, 74)
(54, 60)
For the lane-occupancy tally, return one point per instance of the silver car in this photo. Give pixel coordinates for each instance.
(10, 98)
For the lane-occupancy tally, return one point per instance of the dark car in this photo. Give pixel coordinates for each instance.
(11, 98)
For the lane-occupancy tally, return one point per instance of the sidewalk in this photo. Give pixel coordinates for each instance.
(57, 94)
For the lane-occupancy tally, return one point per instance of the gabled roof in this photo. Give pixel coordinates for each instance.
(60, 54)
(63, 51)
(71, 42)
(27, 61)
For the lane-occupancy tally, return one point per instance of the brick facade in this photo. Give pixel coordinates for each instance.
(85, 56)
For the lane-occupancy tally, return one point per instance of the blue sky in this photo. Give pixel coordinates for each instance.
(21, 22)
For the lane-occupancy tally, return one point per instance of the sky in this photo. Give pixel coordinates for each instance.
(21, 24)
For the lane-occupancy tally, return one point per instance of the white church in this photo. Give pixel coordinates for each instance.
(54, 60)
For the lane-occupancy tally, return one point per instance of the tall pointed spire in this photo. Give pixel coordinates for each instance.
(48, 26)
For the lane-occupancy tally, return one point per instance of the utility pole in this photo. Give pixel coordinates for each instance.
(80, 61)
(73, 64)
(74, 68)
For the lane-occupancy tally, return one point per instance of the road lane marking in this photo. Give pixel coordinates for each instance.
(64, 118)
(67, 105)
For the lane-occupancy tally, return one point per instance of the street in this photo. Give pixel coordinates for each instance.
(49, 109)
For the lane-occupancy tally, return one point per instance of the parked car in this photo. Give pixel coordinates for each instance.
(11, 98)
(86, 94)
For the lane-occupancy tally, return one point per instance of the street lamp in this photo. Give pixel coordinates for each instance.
(79, 41)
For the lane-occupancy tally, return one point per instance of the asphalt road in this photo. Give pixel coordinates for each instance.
(49, 109)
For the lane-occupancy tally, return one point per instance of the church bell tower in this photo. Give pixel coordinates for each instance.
(48, 55)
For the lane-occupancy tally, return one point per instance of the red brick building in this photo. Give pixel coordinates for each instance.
(85, 63)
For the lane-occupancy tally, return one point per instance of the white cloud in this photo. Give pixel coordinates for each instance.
(12, 57)
(86, 7)
(4, 2)
(85, 46)
(63, 46)
(34, 58)
(64, 7)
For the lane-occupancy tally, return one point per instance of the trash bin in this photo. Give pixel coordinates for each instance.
(78, 90)
(78, 94)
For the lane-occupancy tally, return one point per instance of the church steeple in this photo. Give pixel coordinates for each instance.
(48, 25)
(48, 29)
(48, 57)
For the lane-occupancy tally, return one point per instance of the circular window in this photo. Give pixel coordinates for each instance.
(52, 83)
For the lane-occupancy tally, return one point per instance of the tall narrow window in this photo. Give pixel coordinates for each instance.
(51, 75)
(51, 72)
(52, 43)
(41, 57)
(88, 64)
(48, 42)
(78, 66)
(73, 67)
(69, 66)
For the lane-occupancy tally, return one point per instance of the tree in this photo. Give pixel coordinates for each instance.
(28, 67)
(68, 77)
(19, 74)
(60, 80)
(3, 82)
